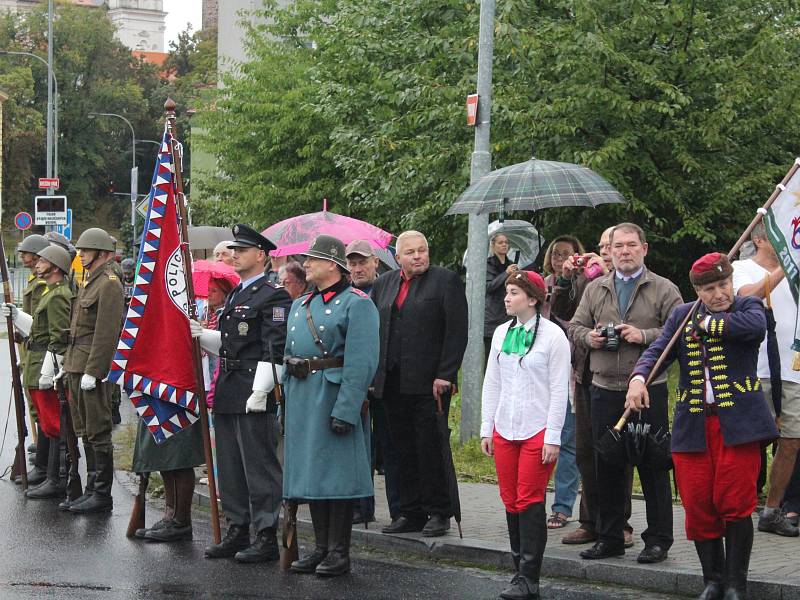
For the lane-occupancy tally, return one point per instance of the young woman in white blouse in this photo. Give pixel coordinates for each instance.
(524, 405)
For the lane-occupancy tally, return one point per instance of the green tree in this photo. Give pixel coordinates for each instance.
(271, 143)
(95, 73)
(686, 107)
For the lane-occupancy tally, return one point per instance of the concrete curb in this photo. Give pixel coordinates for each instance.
(558, 563)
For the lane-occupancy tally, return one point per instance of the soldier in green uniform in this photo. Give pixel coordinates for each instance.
(93, 333)
(331, 358)
(30, 300)
(45, 346)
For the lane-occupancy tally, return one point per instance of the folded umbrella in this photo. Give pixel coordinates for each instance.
(443, 429)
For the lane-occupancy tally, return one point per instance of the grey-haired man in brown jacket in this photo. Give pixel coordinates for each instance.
(619, 315)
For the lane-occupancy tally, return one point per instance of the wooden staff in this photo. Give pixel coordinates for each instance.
(180, 200)
(19, 466)
(742, 239)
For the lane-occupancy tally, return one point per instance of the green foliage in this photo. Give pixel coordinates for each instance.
(95, 73)
(686, 107)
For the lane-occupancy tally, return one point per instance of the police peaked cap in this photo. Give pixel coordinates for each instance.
(247, 237)
(329, 248)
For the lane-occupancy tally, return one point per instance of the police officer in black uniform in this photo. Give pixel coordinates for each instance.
(250, 477)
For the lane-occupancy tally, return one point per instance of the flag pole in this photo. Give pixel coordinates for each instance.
(180, 200)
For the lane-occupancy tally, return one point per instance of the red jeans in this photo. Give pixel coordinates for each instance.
(520, 473)
(716, 486)
(48, 410)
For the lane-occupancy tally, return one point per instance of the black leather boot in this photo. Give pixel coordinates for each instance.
(179, 526)
(712, 560)
(320, 517)
(53, 486)
(263, 549)
(169, 507)
(100, 501)
(512, 520)
(738, 543)
(91, 476)
(236, 538)
(38, 473)
(532, 541)
(340, 526)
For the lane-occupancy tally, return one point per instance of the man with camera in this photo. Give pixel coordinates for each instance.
(619, 315)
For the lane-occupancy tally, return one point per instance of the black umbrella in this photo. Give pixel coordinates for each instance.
(443, 428)
(610, 446)
(658, 450)
(636, 440)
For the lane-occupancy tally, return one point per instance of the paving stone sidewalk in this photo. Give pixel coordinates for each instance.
(773, 568)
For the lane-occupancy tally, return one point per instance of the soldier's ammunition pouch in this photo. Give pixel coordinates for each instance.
(35, 346)
(228, 364)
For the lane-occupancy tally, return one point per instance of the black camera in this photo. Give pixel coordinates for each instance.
(612, 336)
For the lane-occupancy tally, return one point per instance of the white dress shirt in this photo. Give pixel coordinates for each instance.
(520, 398)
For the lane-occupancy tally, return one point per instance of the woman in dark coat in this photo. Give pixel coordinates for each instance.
(498, 267)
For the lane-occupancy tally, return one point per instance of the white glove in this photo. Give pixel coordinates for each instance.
(257, 402)
(60, 374)
(263, 384)
(88, 382)
(47, 375)
(22, 320)
(210, 339)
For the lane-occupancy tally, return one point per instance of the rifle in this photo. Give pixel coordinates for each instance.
(289, 551)
(68, 438)
(137, 514)
(18, 468)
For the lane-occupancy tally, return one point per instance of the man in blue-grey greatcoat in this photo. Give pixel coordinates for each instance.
(330, 359)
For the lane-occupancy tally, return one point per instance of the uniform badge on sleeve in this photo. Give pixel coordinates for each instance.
(278, 314)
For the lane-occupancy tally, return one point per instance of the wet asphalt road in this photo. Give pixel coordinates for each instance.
(45, 553)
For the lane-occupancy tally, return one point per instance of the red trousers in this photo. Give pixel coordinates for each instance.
(716, 486)
(48, 410)
(520, 472)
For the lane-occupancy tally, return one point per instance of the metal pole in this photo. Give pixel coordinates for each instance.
(50, 120)
(478, 236)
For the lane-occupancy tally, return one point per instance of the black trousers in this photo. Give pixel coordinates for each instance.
(421, 478)
(587, 465)
(607, 406)
(381, 437)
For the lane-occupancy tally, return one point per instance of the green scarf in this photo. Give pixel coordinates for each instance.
(518, 341)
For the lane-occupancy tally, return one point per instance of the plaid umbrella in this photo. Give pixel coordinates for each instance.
(534, 185)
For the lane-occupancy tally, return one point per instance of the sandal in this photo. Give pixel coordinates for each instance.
(557, 520)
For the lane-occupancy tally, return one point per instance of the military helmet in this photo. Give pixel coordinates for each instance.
(59, 239)
(128, 264)
(57, 256)
(95, 238)
(329, 248)
(33, 243)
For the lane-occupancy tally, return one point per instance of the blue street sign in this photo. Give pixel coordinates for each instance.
(23, 221)
(66, 230)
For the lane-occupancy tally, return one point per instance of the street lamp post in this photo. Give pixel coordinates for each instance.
(134, 169)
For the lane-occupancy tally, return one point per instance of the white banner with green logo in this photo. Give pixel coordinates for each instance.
(782, 222)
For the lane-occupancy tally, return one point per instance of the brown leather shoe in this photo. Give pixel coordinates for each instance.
(628, 538)
(580, 536)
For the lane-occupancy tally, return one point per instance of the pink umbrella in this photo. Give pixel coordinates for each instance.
(294, 236)
(203, 271)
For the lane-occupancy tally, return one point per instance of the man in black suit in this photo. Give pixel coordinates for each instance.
(423, 331)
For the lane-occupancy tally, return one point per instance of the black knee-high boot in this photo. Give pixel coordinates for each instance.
(337, 562)
(712, 560)
(738, 544)
(320, 518)
(53, 486)
(532, 541)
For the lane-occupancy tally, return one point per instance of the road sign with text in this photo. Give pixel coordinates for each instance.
(49, 183)
(51, 210)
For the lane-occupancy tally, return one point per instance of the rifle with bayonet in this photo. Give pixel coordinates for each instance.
(289, 550)
(18, 469)
(68, 438)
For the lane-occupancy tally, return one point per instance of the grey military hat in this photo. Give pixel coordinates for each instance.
(33, 243)
(329, 248)
(57, 256)
(95, 238)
